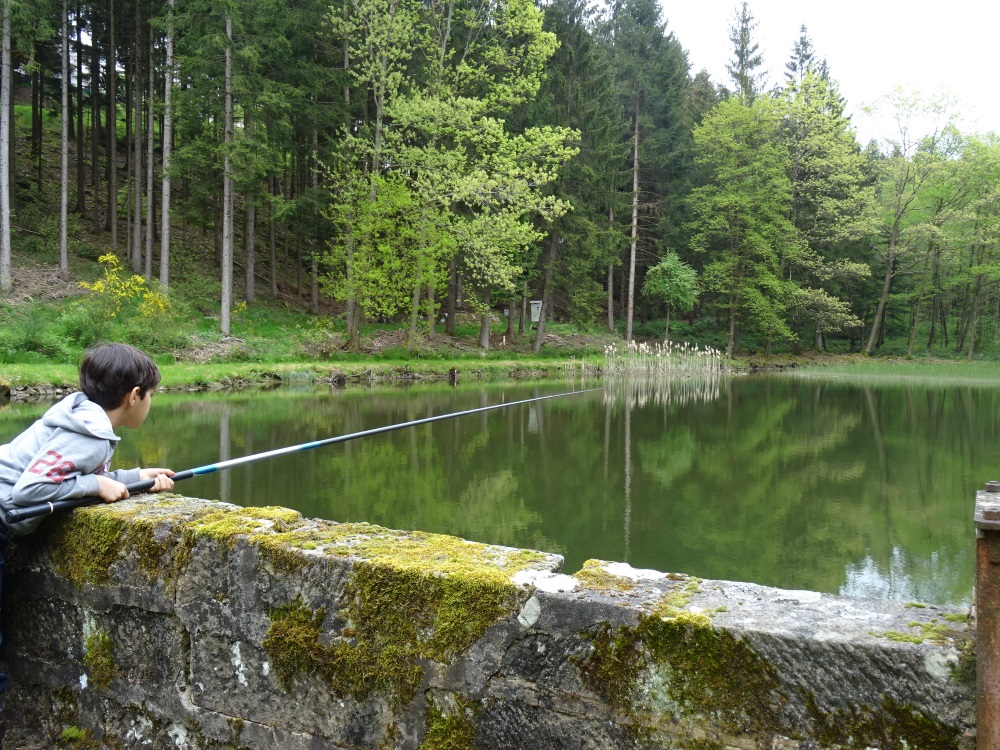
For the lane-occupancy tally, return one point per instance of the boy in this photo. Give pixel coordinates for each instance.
(67, 453)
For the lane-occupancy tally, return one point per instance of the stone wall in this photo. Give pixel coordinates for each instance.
(179, 623)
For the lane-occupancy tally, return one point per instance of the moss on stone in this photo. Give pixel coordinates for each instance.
(672, 602)
(964, 673)
(89, 540)
(227, 525)
(397, 610)
(710, 673)
(292, 641)
(77, 739)
(889, 725)
(593, 576)
(99, 660)
(87, 543)
(933, 631)
(454, 730)
(701, 743)
(900, 637)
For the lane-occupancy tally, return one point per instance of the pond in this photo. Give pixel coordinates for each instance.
(862, 490)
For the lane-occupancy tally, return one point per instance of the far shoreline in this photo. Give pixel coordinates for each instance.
(25, 382)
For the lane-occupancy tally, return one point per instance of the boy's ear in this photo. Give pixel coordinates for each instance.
(131, 397)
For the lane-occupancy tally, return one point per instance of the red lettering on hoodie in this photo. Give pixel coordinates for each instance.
(58, 469)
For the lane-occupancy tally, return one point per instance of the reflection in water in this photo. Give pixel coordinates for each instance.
(225, 477)
(935, 578)
(802, 485)
(659, 391)
(670, 386)
(628, 482)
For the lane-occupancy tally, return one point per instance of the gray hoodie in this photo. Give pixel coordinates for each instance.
(59, 457)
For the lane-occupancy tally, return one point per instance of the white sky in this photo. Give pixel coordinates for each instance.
(871, 46)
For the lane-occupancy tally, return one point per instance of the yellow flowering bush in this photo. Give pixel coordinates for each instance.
(116, 289)
(117, 298)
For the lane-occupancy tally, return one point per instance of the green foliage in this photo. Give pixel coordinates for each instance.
(29, 335)
(673, 282)
(393, 143)
(741, 215)
(119, 306)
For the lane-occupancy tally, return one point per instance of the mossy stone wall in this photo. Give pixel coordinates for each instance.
(180, 623)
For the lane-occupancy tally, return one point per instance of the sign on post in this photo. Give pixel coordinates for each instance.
(536, 310)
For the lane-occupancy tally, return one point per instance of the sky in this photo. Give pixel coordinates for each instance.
(871, 46)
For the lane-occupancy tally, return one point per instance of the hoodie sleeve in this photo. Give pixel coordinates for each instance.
(64, 467)
(125, 476)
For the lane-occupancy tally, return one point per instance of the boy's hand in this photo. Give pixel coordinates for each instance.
(110, 490)
(161, 479)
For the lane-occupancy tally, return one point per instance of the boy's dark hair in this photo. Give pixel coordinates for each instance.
(109, 371)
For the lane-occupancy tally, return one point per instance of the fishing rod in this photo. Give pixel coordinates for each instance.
(44, 509)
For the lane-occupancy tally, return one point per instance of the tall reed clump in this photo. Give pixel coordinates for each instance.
(666, 360)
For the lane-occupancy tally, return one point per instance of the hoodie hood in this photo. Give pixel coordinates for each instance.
(77, 413)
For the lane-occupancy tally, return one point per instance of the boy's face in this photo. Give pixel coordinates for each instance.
(136, 408)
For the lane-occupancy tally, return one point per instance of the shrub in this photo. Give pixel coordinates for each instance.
(120, 303)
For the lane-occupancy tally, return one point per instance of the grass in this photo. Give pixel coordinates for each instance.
(916, 371)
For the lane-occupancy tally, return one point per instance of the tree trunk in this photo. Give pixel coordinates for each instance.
(36, 121)
(873, 335)
(6, 127)
(96, 136)
(227, 187)
(731, 346)
(316, 241)
(611, 279)
(918, 306)
(450, 311)
(484, 322)
(974, 320)
(168, 138)
(112, 84)
(150, 184)
(272, 240)
(550, 263)
(411, 336)
(137, 143)
(64, 152)
(81, 179)
(635, 227)
(611, 298)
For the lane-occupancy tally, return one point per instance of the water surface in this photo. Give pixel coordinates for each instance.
(864, 490)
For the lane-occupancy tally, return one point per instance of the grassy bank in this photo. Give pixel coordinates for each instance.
(860, 368)
(189, 375)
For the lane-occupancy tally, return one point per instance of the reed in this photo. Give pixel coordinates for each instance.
(666, 360)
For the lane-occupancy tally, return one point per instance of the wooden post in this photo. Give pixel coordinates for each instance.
(987, 521)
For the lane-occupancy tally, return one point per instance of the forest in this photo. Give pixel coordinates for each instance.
(413, 158)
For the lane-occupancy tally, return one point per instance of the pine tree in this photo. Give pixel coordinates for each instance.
(744, 69)
(802, 57)
(579, 92)
(654, 84)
